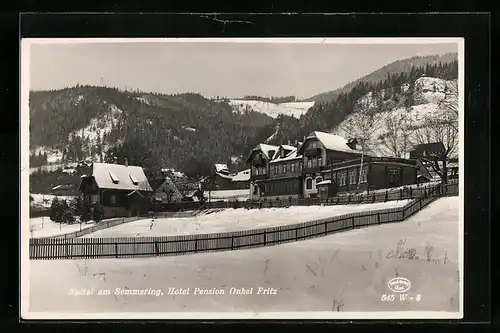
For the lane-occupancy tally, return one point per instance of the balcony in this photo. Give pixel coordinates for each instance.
(258, 177)
(313, 152)
(259, 162)
(314, 169)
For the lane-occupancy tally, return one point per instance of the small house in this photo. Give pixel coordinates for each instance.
(122, 190)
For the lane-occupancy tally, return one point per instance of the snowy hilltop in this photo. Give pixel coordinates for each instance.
(427, 113)
(292, 109)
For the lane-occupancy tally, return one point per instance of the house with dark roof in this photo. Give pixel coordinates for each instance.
(122, 190)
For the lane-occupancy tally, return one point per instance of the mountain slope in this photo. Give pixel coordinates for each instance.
(392, 68)
(87, 122)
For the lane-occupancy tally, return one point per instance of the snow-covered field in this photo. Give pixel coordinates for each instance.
(346, 272)
(295, 109)
(45, 227)
(235, 219)
(226, 195)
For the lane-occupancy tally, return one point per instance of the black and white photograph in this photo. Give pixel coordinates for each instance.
(242, 178)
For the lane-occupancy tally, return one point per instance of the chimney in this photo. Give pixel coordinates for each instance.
(126, 162)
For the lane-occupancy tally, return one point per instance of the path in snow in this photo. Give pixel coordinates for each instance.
(348, 268)
(235, 219)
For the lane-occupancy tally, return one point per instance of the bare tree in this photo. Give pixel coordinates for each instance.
(361, 126)
(441, 127)
(397, 139)
(449, 104)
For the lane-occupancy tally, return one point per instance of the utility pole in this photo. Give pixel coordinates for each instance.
(361, 166)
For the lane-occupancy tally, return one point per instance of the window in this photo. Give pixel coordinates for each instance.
(264, 171)
(134, 179)
(314, 144)
(314, 162)
(284, 168)
(257, 171)
(319, 180)
(364, 176)
(276, 169)
(309, 163)
(112, 199)
(292, 167)
(309, 184)
(328, 176)
(114, 178)
(342, 178)
(94, 198)
(320, 161)
(393, 177)
(352, 177)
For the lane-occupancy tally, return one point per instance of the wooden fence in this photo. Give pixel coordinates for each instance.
(91, 248)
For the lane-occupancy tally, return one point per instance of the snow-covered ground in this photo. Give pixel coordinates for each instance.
(226, 195)
(235, 219)
(45, 227)
(295, 109)
(346, 272)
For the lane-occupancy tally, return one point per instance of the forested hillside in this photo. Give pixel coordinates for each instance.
(385, 94)
(190, 133)
(400, 66)
(179, 131)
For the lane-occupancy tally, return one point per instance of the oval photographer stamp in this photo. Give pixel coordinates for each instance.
(399, 285)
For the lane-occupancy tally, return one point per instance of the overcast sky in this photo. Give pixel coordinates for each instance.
(211, 69)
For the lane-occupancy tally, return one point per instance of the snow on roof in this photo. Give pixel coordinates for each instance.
(242, 176)
(288, 147)
(324, 182)
(224, 175)
(120, 177)
(265, 148)
(290, 156)
(334, 142)
(220, 167)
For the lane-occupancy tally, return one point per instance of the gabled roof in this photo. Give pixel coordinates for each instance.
(431, 148)
(120, 177)
(219, 167)
(265, 149)
(291, 155)
(332, 142)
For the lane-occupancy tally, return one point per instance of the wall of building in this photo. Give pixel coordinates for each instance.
(286, 186)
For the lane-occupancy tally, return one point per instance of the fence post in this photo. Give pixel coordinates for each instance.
(378, 218)
(196, 245)
(349, 198)
(400, 194)
(296, 234)
(156, 248)
(352, 222)
(326, 232)
(386, 196)
(373, 197)
(116, 249)
(232, 242)
(265, 238)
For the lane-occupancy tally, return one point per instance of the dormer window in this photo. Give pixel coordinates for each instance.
(114, 178)
(134, 179)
